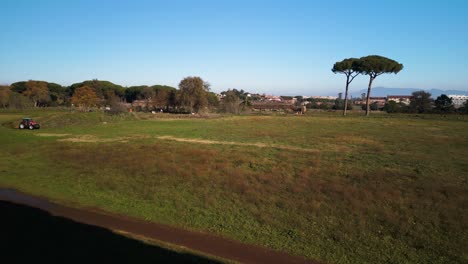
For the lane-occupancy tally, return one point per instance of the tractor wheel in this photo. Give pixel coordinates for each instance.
(21, 126)
(31, 127)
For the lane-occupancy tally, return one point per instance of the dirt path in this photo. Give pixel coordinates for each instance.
(206, 243)
(260, 145)
(95, 139)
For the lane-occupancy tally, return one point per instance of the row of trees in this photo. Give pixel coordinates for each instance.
(193, 95)
(372, 66)
(327, 104)
(421, 102)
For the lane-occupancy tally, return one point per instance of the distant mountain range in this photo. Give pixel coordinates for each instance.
(383, 91)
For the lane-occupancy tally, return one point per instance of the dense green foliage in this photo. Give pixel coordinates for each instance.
(443, 104)
(374, 66)
(385, 189)
(193, 93)
(103, 89)
(31, 93)
(394, 107)
(420, 102)
(231, 102)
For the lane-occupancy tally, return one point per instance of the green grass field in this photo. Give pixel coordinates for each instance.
(384, 189)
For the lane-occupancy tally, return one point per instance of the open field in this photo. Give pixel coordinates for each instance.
(341, 190)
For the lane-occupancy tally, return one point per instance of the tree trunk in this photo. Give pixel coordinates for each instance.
(346, 96)
(368, 95)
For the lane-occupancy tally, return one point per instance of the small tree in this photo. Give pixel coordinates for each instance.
(339, 104)
(160, 99)
(231, 102)
(37, 91)
(443, 104)
(213, 100)
(193, 93)
(85, 97)
(420, 102)
(465, 107)
(394, 107)
(375, 66)
(349, 68)
(147, 94)
(117, 105)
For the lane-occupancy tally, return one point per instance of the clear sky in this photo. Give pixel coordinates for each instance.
(276, 47)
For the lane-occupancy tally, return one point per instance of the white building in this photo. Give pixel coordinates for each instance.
(324, 97)
(458, 100)
(405, 99)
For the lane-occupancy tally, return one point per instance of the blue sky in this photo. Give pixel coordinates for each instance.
(275, 47)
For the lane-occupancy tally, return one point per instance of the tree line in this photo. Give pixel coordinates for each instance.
(419, 102)
(192, 95)
(422, 102)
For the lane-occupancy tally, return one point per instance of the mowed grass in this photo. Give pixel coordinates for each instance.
(384, 189)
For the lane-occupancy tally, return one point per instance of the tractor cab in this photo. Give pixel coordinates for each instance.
(28, 123)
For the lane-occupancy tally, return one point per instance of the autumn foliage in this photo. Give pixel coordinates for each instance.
(37, 91)
(85, 97)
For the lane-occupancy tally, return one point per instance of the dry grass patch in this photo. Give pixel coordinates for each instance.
(260, 145)
(52, 135)
(95, 139)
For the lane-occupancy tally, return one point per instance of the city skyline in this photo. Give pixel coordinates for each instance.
(269, 47)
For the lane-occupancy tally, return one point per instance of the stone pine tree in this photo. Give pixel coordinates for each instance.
(375, 66)
(347, 67)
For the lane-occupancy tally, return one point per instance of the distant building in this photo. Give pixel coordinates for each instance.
(288, 99)
(324, 97)
(272, 98)
(458, 100)
(379, 100)
(142, 103)
(405, 99)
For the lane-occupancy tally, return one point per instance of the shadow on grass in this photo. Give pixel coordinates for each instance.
(30, 235)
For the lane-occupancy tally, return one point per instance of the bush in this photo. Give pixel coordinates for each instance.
(394, 107)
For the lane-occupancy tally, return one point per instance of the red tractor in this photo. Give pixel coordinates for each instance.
(28, 123)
